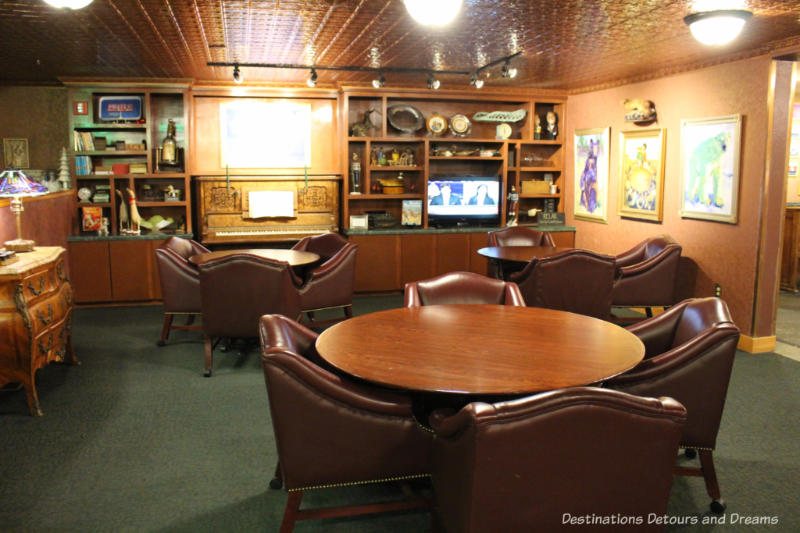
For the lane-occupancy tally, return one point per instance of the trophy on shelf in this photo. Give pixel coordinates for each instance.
(355, 175)
(513, 204)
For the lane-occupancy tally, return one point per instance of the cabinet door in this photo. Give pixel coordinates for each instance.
(377, 263)
(132, 270)
(563, 238)
(89, 271)
(417, 257)
(452, 252)
(478, 263)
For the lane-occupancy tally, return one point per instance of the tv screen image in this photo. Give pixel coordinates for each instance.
(464, 198)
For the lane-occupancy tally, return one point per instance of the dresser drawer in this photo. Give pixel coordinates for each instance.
(50, 345)
(39, 283)
(50, 309)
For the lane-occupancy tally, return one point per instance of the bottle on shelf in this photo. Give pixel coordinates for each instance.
(355, 175)
(513, 204)
(169, 146)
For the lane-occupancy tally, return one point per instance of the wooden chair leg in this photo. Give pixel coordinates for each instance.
(190, 319)
(292, 508)
(348, 311)
(277, 480)
(710, 477)
(209, 353)
(165, 328)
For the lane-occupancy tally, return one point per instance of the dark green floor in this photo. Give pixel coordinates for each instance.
(135, 439)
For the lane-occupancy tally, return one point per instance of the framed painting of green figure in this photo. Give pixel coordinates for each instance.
(710, 168)
(591, 174)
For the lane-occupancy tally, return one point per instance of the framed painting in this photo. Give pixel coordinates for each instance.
(16, 153)
(710, 168)
(641, 174)
(592, 163)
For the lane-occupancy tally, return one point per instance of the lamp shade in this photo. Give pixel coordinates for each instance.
(16, 183)
(719, 27)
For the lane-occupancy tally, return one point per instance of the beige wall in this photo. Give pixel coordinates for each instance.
(38, 114)
(717, 253)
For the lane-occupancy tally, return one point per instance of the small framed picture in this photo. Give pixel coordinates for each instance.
(16, 153)
(412, 213)
(359, 222)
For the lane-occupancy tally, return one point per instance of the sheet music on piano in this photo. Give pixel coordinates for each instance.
(225, 206)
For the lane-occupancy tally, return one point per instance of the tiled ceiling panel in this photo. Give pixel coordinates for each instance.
(565, 44)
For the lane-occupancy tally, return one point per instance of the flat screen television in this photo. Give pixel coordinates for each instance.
(464, 200)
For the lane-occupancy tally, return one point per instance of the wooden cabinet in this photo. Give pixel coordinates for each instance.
(790, 260)
(112, 157)
(377, 151)
(114, 271)
(35, 318)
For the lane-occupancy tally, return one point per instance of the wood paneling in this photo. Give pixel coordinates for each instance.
(377, 263)
(565, 239)
(132, 270)
(452, 252)
(417, 257)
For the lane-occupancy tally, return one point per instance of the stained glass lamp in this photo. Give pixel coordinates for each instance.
(15, 184)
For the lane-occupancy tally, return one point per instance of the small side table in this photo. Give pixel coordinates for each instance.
(35, 318)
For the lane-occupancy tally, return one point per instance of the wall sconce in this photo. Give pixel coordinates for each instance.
(719, 27)
(312, 79)
(379, 82)
(69, 4)
(237, 74)
(436, 13)
(433, 83)
(15, 184)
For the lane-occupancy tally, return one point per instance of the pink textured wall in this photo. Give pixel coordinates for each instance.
(716, 253)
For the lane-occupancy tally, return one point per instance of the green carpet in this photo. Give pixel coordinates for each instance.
(135, 439)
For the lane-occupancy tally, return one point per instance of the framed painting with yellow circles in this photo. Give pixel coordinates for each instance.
(641, 174)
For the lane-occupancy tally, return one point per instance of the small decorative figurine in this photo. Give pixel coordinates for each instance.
(373, 157)
(355, 175)
(537, 127)
(552, 125)
(639, 110)
(513, 201)
(63, 173)
(362, 129)
(103, 231)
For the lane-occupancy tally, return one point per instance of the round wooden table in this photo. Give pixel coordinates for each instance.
(479, 349)
(509, 259)
(293, 257)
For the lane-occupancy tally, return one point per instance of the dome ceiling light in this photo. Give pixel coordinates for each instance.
(715, 28)
(433, 13)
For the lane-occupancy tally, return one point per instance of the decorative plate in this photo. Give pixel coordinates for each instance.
(405, 118)
(85, 194)
(436, 124)
(503, 131)
(460, 125)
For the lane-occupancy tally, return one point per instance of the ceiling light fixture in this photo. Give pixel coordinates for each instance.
(237, 74)
(380, 81)
(312, 79)
(436, 13)
(508, 71)
(475, 81)
(69, 4)
(433, 83)
(715, 28)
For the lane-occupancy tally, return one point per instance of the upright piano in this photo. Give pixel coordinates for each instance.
(224, 213)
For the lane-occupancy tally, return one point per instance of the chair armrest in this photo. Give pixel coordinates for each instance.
(333, 263)
(645, 264)
(365, 398)
(177, 262)
(446, 422)
(663, 363)
(513, 296)
(302, 244)
(278, 331)
(657, 332)
(198, 248)
(629, 257)
(411, 295)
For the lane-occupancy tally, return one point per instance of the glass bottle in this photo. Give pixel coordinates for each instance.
(169, 146)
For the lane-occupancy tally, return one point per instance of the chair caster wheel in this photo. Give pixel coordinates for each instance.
(718, 506)
(207, 374)
(690, 453)
(275, 483)
(161, 343)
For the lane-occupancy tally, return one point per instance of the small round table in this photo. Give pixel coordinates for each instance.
(479, 349)
(501, 256)
(293, 257)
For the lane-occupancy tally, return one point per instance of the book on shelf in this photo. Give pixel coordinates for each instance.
(138, 168)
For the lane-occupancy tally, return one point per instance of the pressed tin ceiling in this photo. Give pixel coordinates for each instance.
(568, 45)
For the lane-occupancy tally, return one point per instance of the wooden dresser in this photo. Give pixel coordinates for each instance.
(35, 317)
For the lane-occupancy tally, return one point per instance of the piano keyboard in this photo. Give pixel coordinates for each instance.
(276, 231)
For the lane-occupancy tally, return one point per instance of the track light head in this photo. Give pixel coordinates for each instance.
(433, 83)
(312, 79)
(508, 71)
(380, 81)
(475, 81)
(237, 74)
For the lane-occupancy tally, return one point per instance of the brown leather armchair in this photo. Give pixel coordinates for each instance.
(462, 288)
(647, 274)
(521, 465)
(689, 351)
(330, 284)
(520, 236)
(237, 290)
(515, 236)
(578, 281)
(332, 432)
(180, 282)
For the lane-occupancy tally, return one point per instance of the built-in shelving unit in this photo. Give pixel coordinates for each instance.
(524, 160)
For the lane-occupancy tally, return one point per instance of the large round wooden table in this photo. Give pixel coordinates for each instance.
(293, 257)
(479, 349)
(509, 259)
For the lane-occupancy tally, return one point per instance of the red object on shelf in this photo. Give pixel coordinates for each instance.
(121, 168)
